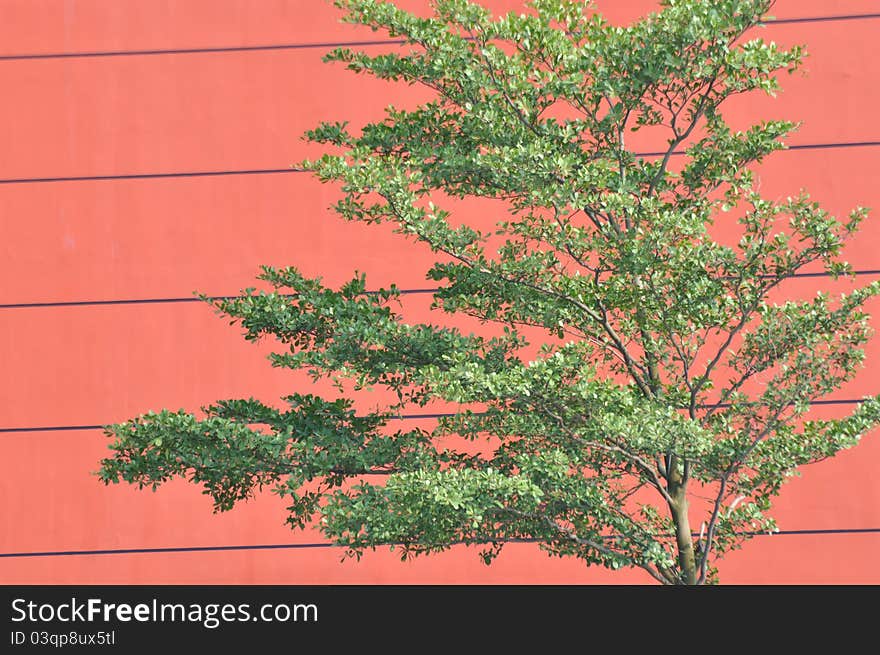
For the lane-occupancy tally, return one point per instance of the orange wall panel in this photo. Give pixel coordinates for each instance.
(65, 507)
(162, 238)
(166, 237)
(233, 111)
(71, 26)
(103, 364)
(58, 26)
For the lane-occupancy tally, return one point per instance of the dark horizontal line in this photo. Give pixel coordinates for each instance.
(88, 303)
(826, 274)
(197, 549)
(847, 401)
(208, 50)
(821, 19)
(805, 146)
(155, 301)
(150, 176)
(190, 549)
(821, 146)
(275, 171)
(328, 44)
(402, 417)
(53, 428)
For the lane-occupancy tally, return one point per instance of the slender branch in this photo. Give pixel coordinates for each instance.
(680, 137)
(641, 464)
(725, 476)
(571, 535)
(631, 365)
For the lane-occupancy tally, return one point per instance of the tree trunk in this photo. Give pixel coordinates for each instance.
(683, 537)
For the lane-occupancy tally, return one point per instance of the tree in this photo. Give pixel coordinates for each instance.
(638, 364)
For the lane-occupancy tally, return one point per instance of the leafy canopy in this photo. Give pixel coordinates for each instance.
(639, 365)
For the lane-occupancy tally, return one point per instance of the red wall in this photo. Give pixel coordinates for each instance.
(74, 240)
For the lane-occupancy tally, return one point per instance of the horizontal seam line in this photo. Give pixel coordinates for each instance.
(136, 301)
(205, 50)
(149, 176)
(820, 19)
(401, 417)
(154, 301)
(275, 171)
(190, 549)
(332, 44)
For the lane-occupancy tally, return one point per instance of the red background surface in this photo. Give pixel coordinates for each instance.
(79, 240)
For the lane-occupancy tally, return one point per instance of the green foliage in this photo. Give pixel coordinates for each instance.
(665, 370)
